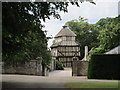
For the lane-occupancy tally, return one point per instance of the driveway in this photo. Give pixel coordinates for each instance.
(56, 79)
(67, 72)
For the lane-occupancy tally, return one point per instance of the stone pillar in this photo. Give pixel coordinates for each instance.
(39, 68)
(52, 66)
(46, 72)
(74, 66)
(82, 68)
(86, 54)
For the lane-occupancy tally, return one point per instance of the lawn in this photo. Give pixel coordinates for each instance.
(92, 85)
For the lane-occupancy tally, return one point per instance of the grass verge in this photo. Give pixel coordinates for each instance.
(92, 85)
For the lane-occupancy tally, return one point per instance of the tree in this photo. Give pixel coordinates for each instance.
(23, 38)
(110, 33)
(86, 33)
(100, 37)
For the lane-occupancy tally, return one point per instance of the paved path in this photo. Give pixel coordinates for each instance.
(56, 79)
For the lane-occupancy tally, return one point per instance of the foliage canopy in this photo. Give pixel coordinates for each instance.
(23, 38)
(100, 37)
(86, 33)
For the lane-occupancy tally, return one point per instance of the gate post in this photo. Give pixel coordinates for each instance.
(74, 66)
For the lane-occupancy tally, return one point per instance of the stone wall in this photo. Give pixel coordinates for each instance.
(33, 67)
(82, 68)
(79, 68)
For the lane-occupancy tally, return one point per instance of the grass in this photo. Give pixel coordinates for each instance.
(92, 85)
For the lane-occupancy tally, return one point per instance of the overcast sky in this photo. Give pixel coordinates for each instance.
(102, 9)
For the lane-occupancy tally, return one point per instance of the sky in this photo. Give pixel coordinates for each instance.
(102, 9)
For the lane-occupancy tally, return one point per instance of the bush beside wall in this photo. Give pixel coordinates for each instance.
(59, 65)
(104, 66)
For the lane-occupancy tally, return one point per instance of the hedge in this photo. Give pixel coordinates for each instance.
(59, 65)
(104, 66)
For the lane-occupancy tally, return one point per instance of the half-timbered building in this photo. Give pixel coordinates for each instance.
(64, 47)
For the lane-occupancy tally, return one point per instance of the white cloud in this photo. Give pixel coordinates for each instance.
(102, 10)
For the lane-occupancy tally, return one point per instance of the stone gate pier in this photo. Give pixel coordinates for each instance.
(80, 67)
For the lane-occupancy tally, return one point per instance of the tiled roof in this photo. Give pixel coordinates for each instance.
(65, 31)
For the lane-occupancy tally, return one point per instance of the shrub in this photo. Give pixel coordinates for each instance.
(98, 50)
(59, 65)
(104, 66)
